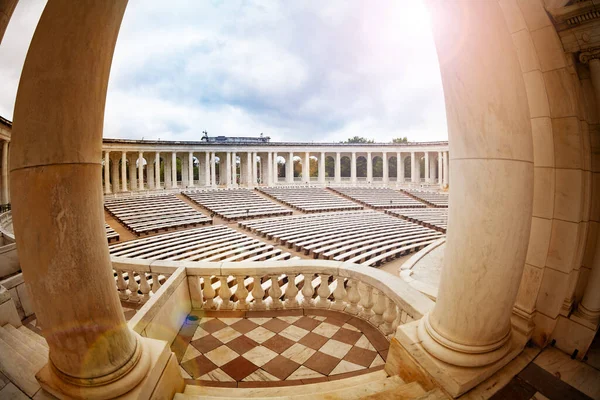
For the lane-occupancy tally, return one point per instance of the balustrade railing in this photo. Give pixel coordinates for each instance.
(384, 300)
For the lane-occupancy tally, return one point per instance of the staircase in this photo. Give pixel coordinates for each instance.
(22, 354)
(375, 386)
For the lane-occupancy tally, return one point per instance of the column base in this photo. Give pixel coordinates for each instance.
(586, 317)
(155, 374)
(453, 379)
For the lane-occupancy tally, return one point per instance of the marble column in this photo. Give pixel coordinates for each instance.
(426, 167)
(369, 168)
(289, 174)
(58, 216)
(446, 170)
(249, 173)
(353, 168)
(5, 197)
(106, 171)
(413, 168)
(322, 168)
(115, 175)
(157, 170)
(254, 169)
(123, 171)
(150, 172)
(173, 170)
(399, 168)
(269, 169)
(385, 168)
(213, 170)
(490, 137)
(589, 307)
(133, 186)
(234, 168)
(141, 171)
(275, 169)
(402, 169)
(185, 170)
(440, 170)
(306, 168)
(168, 175)
(338, 167)
(207, 169)
(190, 169)
(227, 166)
(594, 65)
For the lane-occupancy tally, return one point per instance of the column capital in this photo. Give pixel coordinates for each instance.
(590, 54)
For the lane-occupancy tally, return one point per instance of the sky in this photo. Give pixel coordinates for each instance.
(306, 70)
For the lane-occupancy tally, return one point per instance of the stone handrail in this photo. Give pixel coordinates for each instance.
(384, 300)
(6, 228)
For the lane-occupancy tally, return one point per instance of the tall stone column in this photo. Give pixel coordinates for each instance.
(353, 168)
(141, 171)
(168, 176)
(440, 170)
(402, 170)
(385, 168)
(446, 169)
(275, 169)
(185, 171)
(306, 168)
(124, 171)
(150, 171)
(289, 175)
(132, 173)
(106, 171)
(207, 169)
(338, 167)
(190, 169)
(413, 168)
(322, 168)
(270, 169)
(369, 168)
(173, 170)
(58, 214)
(426, 167)
(254, 169)
(157, 170)
(589, 307)
(399, 168)
(213, 170)
(4, 196)
(470, 324)
(249, 170)
(115, 175)
(227, 166)
(234, 168)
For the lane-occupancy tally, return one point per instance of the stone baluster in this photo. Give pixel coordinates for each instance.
(367, 303)
(389, 316)
(144, 287)
(275, 293)
(258, 293)
(208, 293)
(323, 292)
(133, 286)
(353, 297)
(241, 293)
(291, 291)
(379, 309)
(339, 294)
(155, 282)
(225, 294)
(121, 285)
(307, 291)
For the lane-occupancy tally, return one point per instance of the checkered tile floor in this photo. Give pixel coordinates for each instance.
(278, 347)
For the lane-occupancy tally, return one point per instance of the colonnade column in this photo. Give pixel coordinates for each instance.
(589, 307)
(92, 351)
(254, 169)
(426, 167)
(399, 168)
(470, 324)
(289, 175)
(440, 170)
(369, 168)
(413, 167)
(322, 168)
(306, 168)
(269, 168)
(353, 168)
(167, 171)
(190, 169)
(227, 166)
(106, 171)
(173, 170)
(275, 169)
(249, 170)
(123, 171)
(150, 172)
(157, 170)
(213, 170)
(141, 171)
(115, 175)
(207, 169)
(234, 168)
(132, 173)
(338, 167)
(385, 168)
(445, 169)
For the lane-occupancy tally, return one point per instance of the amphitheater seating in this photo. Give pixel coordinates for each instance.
(154, 213)
(435, 218)
(213, 243)
(234, 204)
(111, 234)
(310, 199)
(433, 198)
(367, 237)
(379, 197)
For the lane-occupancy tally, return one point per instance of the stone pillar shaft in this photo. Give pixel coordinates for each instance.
(270, 168)
(322, 168)
(124, 171)
(440, 170)
(106, 172)
(399, 168)
(338, 167)
(589, 307)
(353, 168)
(141, 171)
(385, 168)
(173, 170)
(446, 169)
(426, 167)
(157, 170)
(132, 174)
(369, 168)
(191, 169)
(115, 175)
(207, 169)
(306, 168)
(213, 170)
(290, 168)
(234, 168)
(413, 168)
(275, 169)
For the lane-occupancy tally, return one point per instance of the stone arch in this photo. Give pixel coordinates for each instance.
(298, 163)
(313, 167)
(377, 164)
(345, 167)
(393, 167)
(329, 166)
(361, 167)
(281, 168)
(407, 167)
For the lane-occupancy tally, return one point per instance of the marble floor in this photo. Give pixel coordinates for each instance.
(271, 348)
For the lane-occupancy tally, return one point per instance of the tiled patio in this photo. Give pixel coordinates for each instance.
(276, 347)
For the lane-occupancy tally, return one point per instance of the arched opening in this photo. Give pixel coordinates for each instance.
(377, 163)
(313, 167)
(346, 168)
(361, 168)
(281, 169)
(297, 168)
(329, 167)
(407, 168)
(393, 168)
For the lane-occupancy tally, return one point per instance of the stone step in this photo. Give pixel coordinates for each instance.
(29, 342)
(33, 335)
(18, 369)
(312, 388)
(20, 345)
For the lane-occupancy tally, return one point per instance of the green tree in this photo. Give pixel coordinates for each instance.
(358, 139)
(400, 140)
